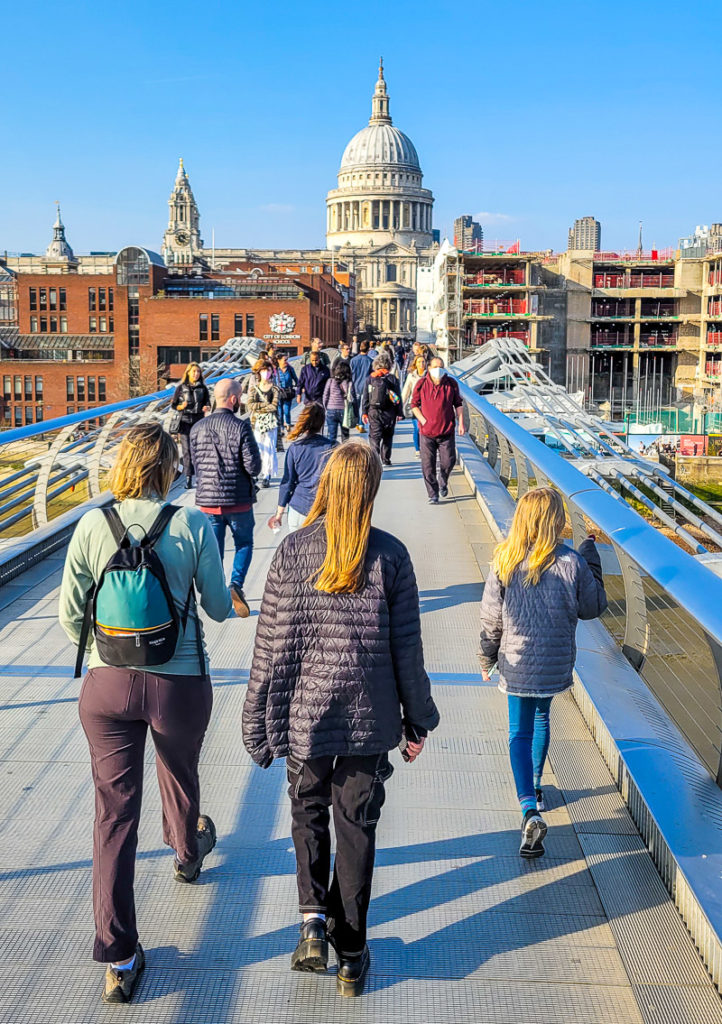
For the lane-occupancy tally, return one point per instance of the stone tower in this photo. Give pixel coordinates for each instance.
(182, 242)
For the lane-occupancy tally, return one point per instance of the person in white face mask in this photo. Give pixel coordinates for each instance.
(436, 403)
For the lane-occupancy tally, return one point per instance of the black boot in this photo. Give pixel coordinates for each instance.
(189, 483)
(311, 953)
(352, 971)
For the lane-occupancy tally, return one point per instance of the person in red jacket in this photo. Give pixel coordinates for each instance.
(437, 405)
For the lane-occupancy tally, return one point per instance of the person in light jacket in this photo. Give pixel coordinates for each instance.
(119, 705)
(536, 592)
(417, 371)
(337, 680)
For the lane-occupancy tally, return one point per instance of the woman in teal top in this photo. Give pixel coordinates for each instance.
(118, 705)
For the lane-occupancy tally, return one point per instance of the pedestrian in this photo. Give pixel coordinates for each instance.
(537, 590)
(262, 407)
(271, 354)
(118, 704)
(436, 403)
(361, 365)
(354, 345)
(312, 380)
(316, 347)
(305, 458)
(287, 383)
(381, 407)
(192, 400)
(338, 401)
(417, 370)
(337, 681)
(227, 460)
(343, 352)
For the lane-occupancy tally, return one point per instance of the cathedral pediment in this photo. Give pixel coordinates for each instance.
(392, 249)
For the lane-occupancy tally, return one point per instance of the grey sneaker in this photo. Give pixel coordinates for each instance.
(444, 492)
(206, 833)
(120, 985)
(533, 831)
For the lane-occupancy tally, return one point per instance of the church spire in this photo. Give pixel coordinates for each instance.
(380, 101)
(59, 248)
(182, 242)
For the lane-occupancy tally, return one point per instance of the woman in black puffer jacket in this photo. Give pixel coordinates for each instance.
(337, 680)
(192, 401)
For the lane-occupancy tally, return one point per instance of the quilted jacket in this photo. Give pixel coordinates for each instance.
(530, 632)
(225, 456)
(335, 673)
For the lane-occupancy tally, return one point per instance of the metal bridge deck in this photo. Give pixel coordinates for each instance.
(462, 930)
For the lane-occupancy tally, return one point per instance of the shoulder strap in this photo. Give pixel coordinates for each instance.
(115, 523)
(165, 515)
(84, 632)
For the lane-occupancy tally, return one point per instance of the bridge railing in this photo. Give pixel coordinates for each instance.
(47, 469)
(665, 606)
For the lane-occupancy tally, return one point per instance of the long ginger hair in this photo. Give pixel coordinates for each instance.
(536, 531)
(345, 498)
(310, 421)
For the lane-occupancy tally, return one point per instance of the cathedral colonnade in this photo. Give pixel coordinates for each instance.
(378, 215)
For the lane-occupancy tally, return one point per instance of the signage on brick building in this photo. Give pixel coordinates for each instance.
(281, 323)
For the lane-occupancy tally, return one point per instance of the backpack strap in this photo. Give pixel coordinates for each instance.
(153, 535)
(192, 600)
(84, 632)
(115, 523)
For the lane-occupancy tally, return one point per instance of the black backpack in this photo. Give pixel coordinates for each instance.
(381, 394)
(131, 609)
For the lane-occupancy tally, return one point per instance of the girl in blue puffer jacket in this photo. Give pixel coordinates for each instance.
(536, 592)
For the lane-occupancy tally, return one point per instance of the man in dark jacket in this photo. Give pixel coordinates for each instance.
(436, 403)
(381, 407)
(360, 365)
(313, 379)
(316, 349)
(226, 458)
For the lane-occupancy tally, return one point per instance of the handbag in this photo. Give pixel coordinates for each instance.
(350, 419)
(175, 422)
(265, 422)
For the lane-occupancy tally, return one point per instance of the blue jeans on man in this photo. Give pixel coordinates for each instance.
(241, 526)
(284, 412)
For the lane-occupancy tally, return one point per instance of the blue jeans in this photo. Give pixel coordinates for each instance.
(334, 421)
(528, 742)
(416, 434)
(241, 526)
(284, 412)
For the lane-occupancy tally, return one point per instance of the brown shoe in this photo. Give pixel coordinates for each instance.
(206, 833)
(120, 985)
(240, 605)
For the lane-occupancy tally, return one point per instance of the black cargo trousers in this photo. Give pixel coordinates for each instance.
(354, 788)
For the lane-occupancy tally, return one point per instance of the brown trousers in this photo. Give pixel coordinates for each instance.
(117, 706)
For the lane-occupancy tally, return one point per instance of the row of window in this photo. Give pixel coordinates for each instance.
(22, 387)
(16, 415)
(215, 325)
(59, 325)
(100, 299)
(75, 388)
(47, 298)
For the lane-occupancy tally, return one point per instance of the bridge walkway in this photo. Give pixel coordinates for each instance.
(462, 930)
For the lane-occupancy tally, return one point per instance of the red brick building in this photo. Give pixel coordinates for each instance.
(94, 331)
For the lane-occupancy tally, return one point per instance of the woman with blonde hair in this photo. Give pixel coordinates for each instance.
(262, 405)
(417, 370)
(192, 401)
(536, 592)
(120, 700)
(337, 681)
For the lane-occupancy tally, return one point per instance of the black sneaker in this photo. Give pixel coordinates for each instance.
(120, 985)
(206, 833)
(540, 805)
(533, 830)
(444, 492)
(352, 971)
(433, 501)
(311, 953)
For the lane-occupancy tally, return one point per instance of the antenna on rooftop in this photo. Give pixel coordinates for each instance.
(640, 248)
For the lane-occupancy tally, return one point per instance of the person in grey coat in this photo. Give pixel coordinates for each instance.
(536, 592)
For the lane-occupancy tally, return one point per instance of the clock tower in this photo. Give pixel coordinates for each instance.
(182, 242)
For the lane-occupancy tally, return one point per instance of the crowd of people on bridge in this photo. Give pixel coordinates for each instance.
(337, 678)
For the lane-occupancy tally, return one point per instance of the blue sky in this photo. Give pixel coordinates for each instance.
(529, 114)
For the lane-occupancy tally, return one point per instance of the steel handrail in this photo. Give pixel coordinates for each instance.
(693, 586)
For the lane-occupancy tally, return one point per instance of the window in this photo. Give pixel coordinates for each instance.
(53, 325)
(101, 298)
(18, 385)
(33, 292)
(390, 271)
(110, 298)
(6, 414)
(103, 325)
(18, 416)
(238, 325)
(91, 298)
(38, 389)
(93, 324)
(28, 414)
(70, 409)
(91, 389)
(33, 325)
(63, 325)
(203, 327)
(168, 355)
(70, 388)
(39, 414)
(111, 324)
(43, 325)
(215, 327)
(250, 324)
(43, 298)
(28, 389)
(101, 389)
(80, 384)
(61, 299)
(53, 297)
